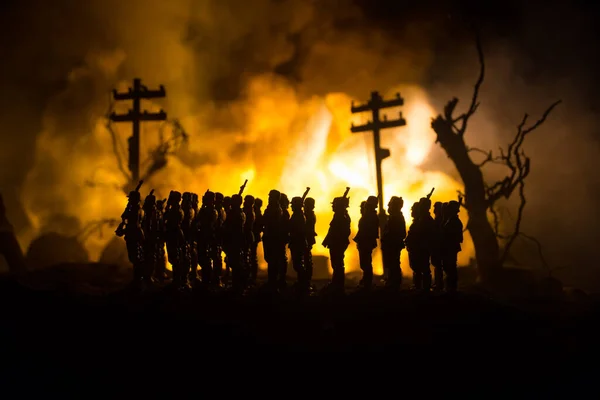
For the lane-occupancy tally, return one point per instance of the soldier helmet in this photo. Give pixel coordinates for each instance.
(134, 196)
(309, 203)
(249, 200)
(174, 197)
(425, 203)
(453, 206)
(297, 202)
(283, 200)
(236, 201)
(150, 200)
(219, 197)
(275, 194)
(372, 201)
(227, 200)
(396, 202)
(258, 203)
(342, 202)
(208, 197)
(161, 203)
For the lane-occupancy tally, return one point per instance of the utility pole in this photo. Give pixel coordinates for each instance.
(135, 116)
(375, 104)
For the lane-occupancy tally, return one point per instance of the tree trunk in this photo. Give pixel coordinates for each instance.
(487, 250)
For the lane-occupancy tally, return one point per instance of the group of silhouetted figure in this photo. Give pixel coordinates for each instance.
(196, 235)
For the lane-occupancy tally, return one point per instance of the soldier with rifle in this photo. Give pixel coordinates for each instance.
(436, 247)
(234, 241)
(452, 238)
(366, 239)
(311, 234)
(337, 240)
(131, 228)
(186, 227)
(217, 249)
(392, 241)
(207, 220)
(273, 242)
(226, 209)
(411, 245)
(193, 239)
(150, 229)
(257, 233)
(175, 238)
(160, 270)
(421, 233)
(249, 242)
(297, 243)
(284, 230)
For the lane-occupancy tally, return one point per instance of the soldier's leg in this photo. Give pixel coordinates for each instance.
(413, 260)
(236, 264)
(298, 265)
(308, 263)
(193, 275)
(438, 272)
(393, 262)
(217, 264)
(451, 268)
(366, 264)
(272, 262)
(161, 263)
(337, 264)
(426, 271)
(253, 261)
(283, 265)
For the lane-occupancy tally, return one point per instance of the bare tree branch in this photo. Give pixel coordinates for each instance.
(538, 245)
(464, 118)
(115, 141)
(516, 160)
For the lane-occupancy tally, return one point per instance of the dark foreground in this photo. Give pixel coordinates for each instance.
(471, 336)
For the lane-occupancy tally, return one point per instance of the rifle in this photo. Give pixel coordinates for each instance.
(430, 193)
(120, 231)
(346, 192)
(151, 192)
(243, 187)
(305, 193)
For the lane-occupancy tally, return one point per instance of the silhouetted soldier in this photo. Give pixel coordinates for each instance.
(217, 249)
(366, 239)
(233, 239)
(337, 241)
(436, 247)
(248, 235)
(257, 230)
(298, 242)
(424, 228)
(311, 234)
(411, 242)
(273, 243)
(188, 234)
(176, 243)
(226, 209)
(193, 239)
(392, 241)
(150, 229)
(160, 270)
(207, 221)
(131, 228)
(284, 202)
(452, 237)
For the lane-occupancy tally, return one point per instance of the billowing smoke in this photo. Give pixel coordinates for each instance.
(246, 80)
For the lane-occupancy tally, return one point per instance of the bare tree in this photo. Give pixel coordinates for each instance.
(480, 197)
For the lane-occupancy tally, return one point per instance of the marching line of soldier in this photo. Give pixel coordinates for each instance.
(197, 235)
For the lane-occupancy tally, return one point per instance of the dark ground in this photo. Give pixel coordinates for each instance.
(531, 342)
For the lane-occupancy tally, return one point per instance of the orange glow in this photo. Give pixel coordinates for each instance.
(288, 143)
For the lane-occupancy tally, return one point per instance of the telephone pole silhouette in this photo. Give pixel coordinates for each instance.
(136, 116)
(375, 104)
